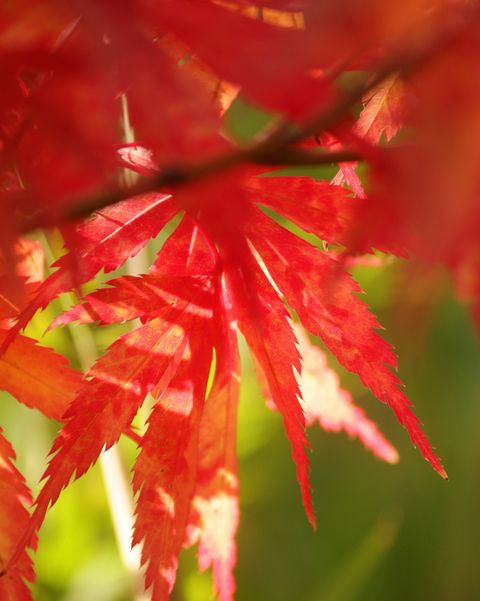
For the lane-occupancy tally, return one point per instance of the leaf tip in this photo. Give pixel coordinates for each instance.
(443, 474)
(392, 456)
(310, 512)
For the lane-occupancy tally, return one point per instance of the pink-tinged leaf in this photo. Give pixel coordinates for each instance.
(38, 376)
(138, 158)
(290, 89)
(218, 523)
(137, 363)
(384, 111)
(327, 211)
(347, 173)
(165, 471)
(13, 520)
(215, 513)
(263, 320)
(316, 287)
(104, 242)
(325, 402)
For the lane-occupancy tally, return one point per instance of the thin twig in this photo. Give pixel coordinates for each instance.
(175, 176)
(276, 148)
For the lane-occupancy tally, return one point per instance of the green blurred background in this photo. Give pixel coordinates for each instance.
(385, 533)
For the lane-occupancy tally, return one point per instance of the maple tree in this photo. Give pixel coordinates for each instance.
(112, 122)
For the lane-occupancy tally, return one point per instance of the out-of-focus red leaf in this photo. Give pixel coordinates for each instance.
(431, 215)
(65, 70)
(464, 265)
(325, 402)
(13, 297)
(356, 32)
(256, 66)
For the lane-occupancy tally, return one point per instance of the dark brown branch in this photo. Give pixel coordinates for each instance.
(175, 176)
(275, 148)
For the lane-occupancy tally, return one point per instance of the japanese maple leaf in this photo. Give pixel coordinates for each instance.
(228, 265)
(35, 375)
(14, 518)
(60, 108)
(384, 111)
(214, 512)
(224, 264)
(294, 91)
(38, 377)
(41, 379)
(104, 242)
(436, 217)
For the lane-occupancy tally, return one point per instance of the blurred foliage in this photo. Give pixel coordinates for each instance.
(384, 533)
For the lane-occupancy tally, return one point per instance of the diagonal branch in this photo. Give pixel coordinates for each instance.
(275, 148)
(175, 176)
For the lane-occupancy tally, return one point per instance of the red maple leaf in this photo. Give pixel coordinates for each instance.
(216, 269)
(233, 262)
(13, 519)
